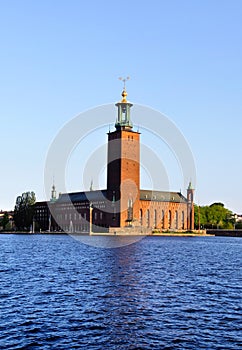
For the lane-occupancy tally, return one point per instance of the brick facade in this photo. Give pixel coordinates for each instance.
(123, 203)
(123, 173)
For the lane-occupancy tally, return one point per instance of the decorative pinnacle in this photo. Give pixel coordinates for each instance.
(53, 185)
(124, 93)
(124, 81)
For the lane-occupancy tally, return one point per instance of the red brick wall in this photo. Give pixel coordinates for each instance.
(178, 213)
(123, 175)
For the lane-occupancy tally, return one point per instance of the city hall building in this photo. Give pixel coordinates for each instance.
(122, 206)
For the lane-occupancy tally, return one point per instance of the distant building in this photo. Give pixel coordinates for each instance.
(10, 217)
(238, 218)
(123, 204)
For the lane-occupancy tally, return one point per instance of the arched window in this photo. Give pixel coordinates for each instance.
(141, 217)
(130, 210)
(169, 219)
(183, 220)
(176, 218)
(148, 217)
(162, 219)
(155, 218)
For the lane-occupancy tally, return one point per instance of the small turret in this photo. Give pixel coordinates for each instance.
(53, 194)
(190, 193)
(190, 207)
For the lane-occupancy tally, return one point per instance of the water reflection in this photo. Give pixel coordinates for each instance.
(124, 294)
(107, 241)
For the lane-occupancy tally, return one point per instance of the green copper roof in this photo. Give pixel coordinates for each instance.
(190, 187)
(162, 196)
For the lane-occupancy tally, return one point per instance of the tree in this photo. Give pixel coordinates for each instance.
(215, 215)
(239, 225)
(199, 216)
(24, 210)
(5, 220)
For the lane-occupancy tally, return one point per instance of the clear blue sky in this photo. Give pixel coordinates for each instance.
(59, 58)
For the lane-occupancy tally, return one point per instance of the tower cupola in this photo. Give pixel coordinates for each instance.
(123, 121)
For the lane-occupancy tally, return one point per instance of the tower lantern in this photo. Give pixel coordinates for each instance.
(123, 121)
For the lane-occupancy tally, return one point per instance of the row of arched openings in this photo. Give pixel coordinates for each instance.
(173, 221)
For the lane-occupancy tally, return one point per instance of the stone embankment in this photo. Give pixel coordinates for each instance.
(225, 233)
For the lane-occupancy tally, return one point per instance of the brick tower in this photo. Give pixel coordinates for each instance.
(123, 170)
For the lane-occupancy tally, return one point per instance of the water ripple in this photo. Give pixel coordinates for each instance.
(159, 293)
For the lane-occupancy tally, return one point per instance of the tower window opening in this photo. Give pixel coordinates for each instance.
(123, 114)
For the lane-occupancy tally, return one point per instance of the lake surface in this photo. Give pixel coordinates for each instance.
(158, 293)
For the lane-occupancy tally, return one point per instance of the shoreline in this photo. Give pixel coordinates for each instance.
(195, 233)
(123, 234)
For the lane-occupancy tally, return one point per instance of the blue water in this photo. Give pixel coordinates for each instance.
(158, 293)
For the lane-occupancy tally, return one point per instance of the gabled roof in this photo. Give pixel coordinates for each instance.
(162, 196)
(89, 196)
(101, 195)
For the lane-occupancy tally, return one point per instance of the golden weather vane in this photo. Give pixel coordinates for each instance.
(124, 81)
